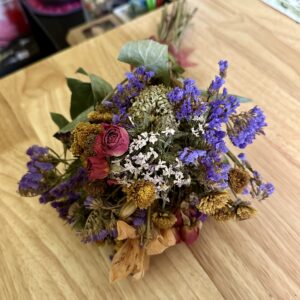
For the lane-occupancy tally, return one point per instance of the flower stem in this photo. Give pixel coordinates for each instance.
(148, 225)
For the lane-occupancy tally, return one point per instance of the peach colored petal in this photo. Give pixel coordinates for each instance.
(163, 240)
(123, 262)
(141, 265)
(125, 231)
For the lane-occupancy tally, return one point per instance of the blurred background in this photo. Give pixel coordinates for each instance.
(34, 29)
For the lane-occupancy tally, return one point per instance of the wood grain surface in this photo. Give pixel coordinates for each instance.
(41, 258)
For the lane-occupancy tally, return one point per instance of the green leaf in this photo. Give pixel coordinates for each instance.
(100, 87)
(242, 99)
(82, 96)
(80, 118)
(239, 98)
(148, 53)
(85, 94)
(59, 120)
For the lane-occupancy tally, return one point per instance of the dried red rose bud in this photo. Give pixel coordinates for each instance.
(189, 234)
(176, 231)
(179, 221)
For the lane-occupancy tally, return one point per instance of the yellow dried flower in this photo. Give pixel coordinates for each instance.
(224, 214)
(213, 202)
(245, 212)
(84, 138)
(238, 179)
(164, 220)
(100, 117)
(142, 192)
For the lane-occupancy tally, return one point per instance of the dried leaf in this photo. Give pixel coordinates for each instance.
(141, 264)
(163, 240)
(125, 231)
(123, 262)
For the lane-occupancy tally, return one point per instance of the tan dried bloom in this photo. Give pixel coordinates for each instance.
(100, 117)
(164, 220)
(245, 212)
(224, 214)
(84, 138)
(142, 192)
(213, 202)
(238, 179)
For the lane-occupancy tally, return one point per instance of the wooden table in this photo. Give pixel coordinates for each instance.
(42, 259)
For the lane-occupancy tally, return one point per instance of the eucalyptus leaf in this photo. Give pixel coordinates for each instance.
(242, 99)
(239, 98)
(80, 118)
(148, 53)
(59, 120)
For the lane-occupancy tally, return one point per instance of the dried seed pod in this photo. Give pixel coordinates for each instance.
(128, 209)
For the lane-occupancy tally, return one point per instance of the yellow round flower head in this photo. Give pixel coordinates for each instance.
(142, 192)
(245, 212)
(238, 179)
(100, 117)
(224, 214)
(211, 203)
(84, 136)
(163, 220)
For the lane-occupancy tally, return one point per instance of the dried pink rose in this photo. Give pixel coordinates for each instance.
(112, 141)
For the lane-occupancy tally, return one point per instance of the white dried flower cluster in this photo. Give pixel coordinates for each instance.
(143, 162)
(198, 129)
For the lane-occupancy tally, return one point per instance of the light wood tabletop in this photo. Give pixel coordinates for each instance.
(41, 258)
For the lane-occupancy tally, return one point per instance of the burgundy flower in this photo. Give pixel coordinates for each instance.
(189, 234)
(112, 141)
(98, 167)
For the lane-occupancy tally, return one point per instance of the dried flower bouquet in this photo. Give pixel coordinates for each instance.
(149, 159)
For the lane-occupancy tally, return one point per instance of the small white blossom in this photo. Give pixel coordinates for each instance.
(169, 131)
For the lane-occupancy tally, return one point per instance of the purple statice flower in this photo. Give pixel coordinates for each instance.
(266, 189)
(215, 139)
(43, 166)
(246, 126)
(220, 110)
(242, 157)
(245, 191)
(188, 156)
(187, 100)
(34, 181)
(203, 217)
(216, 171)
(88, 202)
(62, 206)
(97, 237)
(139, 218)
(36, 152)
(216, 84)
(223, 65)
(30, 183)
(137, 80)
(65, 187)
(101, 235)
(176, 95)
